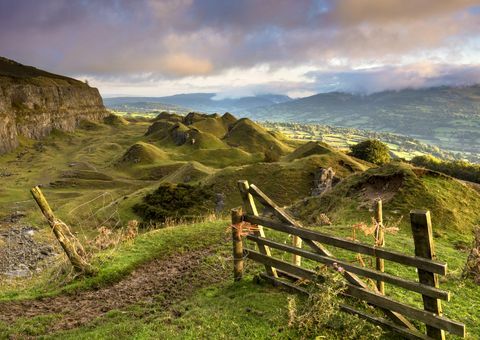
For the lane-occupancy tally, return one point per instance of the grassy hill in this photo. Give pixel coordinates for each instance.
(251, 137)
(142, 153)
(401, 187)
(445, 116)
(24, 73)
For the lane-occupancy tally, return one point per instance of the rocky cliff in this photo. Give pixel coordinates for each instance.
(34, 102)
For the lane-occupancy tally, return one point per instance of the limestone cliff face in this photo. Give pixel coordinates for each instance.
(34, 102)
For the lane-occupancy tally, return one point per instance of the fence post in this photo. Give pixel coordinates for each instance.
(296, 242)
(380, 242)
(423, 239)
(237, 244)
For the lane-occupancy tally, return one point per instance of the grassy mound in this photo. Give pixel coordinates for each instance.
(278, 135)
(217, 126)
(171, 117)
(402, 188)
(115, 120)
(252, 137)
(160, 129)
(178, 134)
(309, 149)
(143, 153)
(198, 139)
(228, 118)
(214, 126)
(283, 182)
(203, 131)
(194, 117)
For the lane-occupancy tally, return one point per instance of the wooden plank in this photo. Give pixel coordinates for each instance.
(419, 262)
(366, 272)
(405, 332)
(282, 215)
(250, 207)
(296, 242)
(288, 285)
(427, 317)
(380, 242)
(282, 265)
(423, 239)
(237, 244)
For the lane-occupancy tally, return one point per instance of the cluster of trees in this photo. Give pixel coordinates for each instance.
(371, 150)
(459, 169)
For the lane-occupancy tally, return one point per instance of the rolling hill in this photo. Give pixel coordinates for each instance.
(445, 116)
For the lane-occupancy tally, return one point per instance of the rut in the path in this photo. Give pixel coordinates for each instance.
(175, 278)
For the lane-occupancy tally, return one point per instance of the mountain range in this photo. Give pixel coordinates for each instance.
(445, 116)
(204, 102)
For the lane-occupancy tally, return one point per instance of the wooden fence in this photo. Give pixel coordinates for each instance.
(280, 272)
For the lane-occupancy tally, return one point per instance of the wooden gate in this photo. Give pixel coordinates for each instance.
(280, 272)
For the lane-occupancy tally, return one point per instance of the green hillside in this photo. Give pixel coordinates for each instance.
(251, 137)
(445, 116)
(454, 205)
(143, 153)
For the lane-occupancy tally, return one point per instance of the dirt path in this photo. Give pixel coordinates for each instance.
(176, 278)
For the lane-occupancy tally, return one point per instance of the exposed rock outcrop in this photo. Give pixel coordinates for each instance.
(34, 102)
(323, 181)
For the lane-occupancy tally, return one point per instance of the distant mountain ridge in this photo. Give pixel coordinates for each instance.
(204, 102)
(446, 116)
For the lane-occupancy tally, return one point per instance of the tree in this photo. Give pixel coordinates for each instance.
(371, 150)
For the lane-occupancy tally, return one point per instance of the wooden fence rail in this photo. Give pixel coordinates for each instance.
(278, 271)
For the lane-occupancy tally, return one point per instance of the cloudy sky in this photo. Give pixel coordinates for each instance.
(244, 47)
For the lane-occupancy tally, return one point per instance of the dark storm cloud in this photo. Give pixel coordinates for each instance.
(176, 38)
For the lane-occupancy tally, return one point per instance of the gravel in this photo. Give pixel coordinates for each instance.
(20, 254)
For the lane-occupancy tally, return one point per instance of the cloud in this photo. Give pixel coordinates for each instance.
(180, 39)
(388, 11)
(185, 65)
(419, 75)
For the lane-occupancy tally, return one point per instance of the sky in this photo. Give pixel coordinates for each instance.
(246, 47)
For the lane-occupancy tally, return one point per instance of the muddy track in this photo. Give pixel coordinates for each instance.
(175, 278)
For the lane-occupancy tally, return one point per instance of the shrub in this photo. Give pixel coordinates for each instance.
(472, 267)
(371, 150)
(321, 312)
(459, 169)
(172, 202)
